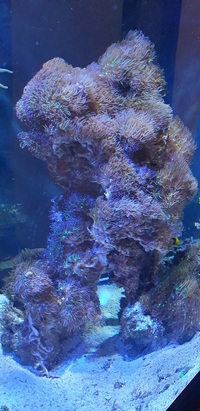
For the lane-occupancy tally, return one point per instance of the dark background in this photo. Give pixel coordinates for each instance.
(34, 31)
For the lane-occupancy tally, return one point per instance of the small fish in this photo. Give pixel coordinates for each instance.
(177, 241)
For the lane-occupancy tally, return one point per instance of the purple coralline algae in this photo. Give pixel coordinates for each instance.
(122, 160)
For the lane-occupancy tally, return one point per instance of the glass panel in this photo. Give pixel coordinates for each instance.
(99, 211)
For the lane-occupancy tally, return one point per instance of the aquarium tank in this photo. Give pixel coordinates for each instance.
(100, 208)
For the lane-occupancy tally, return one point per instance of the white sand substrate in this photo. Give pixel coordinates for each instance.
(106, 383)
